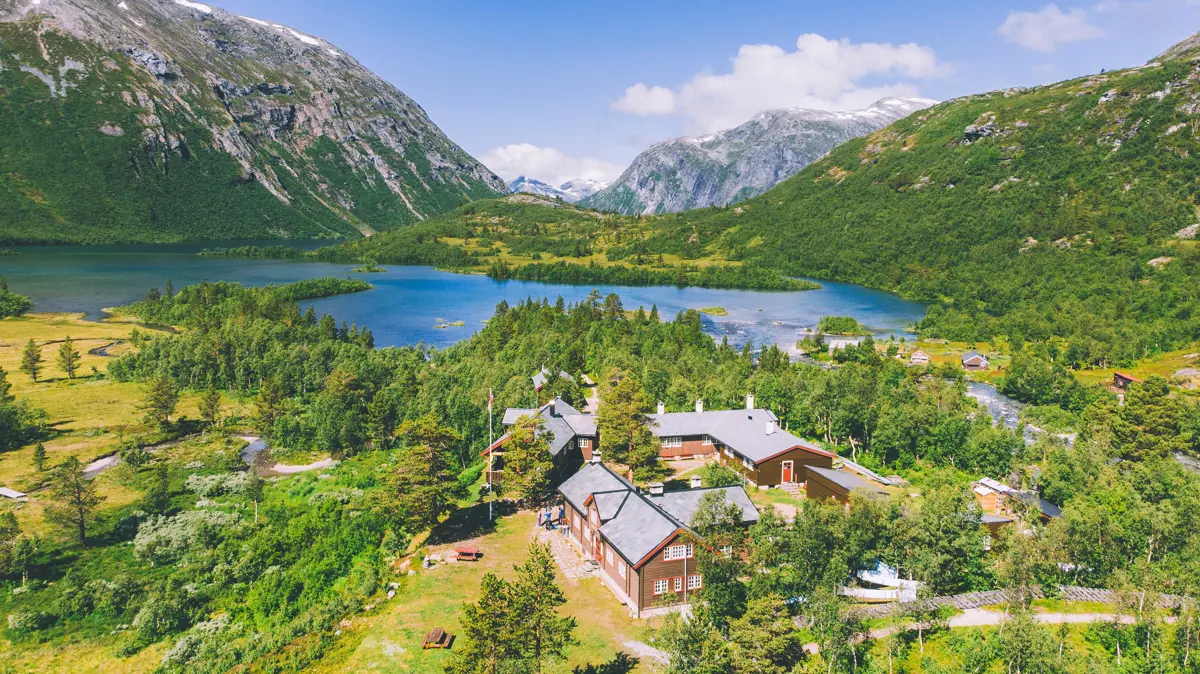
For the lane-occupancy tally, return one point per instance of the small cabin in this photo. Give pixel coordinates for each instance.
(974, 361)
(918, 357)
(1122, 381)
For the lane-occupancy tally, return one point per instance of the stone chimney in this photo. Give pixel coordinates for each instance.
(699, 406)
(770, 427)
(697, 482)
(656, 488)
(749, 401)
(662, 409)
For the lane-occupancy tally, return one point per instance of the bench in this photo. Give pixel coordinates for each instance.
(437, 638)
(467, 554)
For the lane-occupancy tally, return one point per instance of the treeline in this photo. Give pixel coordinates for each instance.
(750, 278)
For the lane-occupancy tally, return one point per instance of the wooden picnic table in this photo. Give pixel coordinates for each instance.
(468, 554)
(437, 638)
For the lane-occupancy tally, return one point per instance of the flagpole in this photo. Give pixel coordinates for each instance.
(491, 458)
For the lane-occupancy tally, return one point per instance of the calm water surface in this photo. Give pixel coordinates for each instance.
(407, 302)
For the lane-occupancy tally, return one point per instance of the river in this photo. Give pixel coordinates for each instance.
(408, 302)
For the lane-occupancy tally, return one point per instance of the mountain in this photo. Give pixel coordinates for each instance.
(571, 191)
(161, 120)
(736, 164)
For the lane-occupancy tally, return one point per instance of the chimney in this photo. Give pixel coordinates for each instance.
(770, 427)
(656, 489)
(595, 456)
(749, 401)
(699, 406)
(697, 482)
(550, 409)
(662, 409)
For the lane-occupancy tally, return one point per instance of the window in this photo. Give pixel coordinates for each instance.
(584, 443)
(672, 442)
(660, 586)
(608, 556)
(729, 452)
(726, 550)
(694, 582)
(575, 517)
(677, 552)
(748, 463)
(679, 584)
(621, 568)
(706, 440)
(587, 535)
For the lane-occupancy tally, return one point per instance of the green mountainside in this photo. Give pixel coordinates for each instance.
(1061, 213)
(165, 121)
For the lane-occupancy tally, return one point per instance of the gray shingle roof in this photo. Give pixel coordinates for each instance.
(638, 529)
(972, 354)
(744, 431)
(591, 479)
(539, 379)
(562, 425)
(682, 505)
(635, 524)
(847, 481)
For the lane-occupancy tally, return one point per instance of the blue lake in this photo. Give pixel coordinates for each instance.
(407, 302)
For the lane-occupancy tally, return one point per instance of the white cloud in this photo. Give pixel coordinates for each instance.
(645, 101)
(821, 73)
(1044, 30)
(546, 164)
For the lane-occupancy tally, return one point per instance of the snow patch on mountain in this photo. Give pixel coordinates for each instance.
(571, 191)
(742, 162)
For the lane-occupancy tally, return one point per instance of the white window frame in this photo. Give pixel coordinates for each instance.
(706, 440)
(661, 586)
(726, 550)
(575, 517)
(608, 555)
(748, 464)
(621, 568)
(729, 453)
(695, 582)
(675, 552)
(587, 534)
(584, 443)
(678, 584)
(674, 441)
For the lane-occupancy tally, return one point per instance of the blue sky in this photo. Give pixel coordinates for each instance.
(559, 90)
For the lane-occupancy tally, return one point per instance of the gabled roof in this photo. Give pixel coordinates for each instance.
(682, 505)
(918, 354)
(543, 375)
(743, 431)
(972, 355)
(848, 481)
(591, 479)
(634, 524)
(11, 493)
(564, 424)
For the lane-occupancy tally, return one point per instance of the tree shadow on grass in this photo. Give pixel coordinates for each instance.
(467, 523)
(622, 663)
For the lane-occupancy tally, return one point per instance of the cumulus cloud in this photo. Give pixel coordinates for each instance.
(546, 164)
(821, 73)
(1046, 29)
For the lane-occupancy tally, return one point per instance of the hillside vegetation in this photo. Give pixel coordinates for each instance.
(1057, 214)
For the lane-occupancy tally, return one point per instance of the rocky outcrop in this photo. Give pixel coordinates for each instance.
(742, 162)
(342, 149)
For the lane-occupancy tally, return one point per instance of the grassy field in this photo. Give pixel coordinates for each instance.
(389, 638)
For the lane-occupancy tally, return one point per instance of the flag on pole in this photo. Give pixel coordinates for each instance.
(491, 399)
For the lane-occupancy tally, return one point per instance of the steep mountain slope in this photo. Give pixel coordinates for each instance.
(162, 120)
(732, 165)
(1054, 212)
(571, 191)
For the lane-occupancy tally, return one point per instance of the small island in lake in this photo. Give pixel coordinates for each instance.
(714, 311)
(443, 324)
(369, 268)
(841, 325)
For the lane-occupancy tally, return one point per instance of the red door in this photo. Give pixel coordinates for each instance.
(787, 471)
(596, 547)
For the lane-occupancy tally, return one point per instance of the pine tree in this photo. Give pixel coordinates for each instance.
(39, 457)
(527, 462)
(158, 496)
(269, 406)
(254, 491)
(68, 358)
(425, 483)
(73, 499)
(487, 644)
(623, 424)
(31, 360)
(159, 399)
(10, 531)
(24, 550)
(210, 406)
(540, 632)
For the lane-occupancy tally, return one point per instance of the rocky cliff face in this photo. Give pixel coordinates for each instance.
(742, 162)
(170, 120)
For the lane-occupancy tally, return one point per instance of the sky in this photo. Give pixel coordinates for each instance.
(559, 90)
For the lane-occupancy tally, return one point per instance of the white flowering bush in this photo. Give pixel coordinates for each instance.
(165, 540)
(222, 484)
